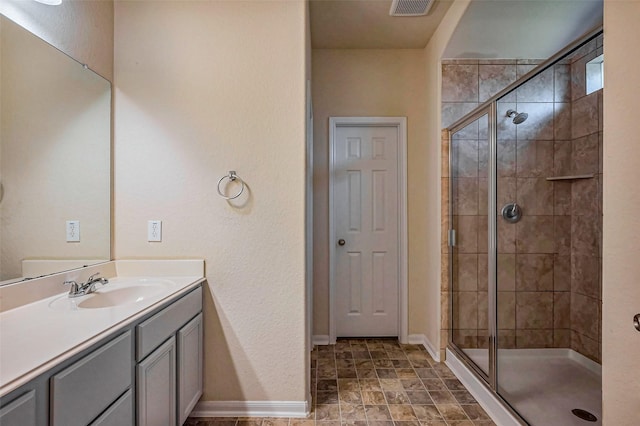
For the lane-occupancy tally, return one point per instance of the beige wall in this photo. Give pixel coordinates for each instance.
(353, 82)
(393, 83)
(202, 88)
(429, 157)
(621, 250)
(56, 144)
(202, 130)
(83, 29)
(1, 188)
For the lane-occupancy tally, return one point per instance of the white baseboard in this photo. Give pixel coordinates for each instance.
(489, 402)
(413, 339)
(421, 339)
(299, 409)
(320, 339)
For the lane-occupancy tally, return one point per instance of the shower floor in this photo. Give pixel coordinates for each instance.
(544, 385)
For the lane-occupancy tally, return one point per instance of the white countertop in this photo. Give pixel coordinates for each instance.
(35, 337)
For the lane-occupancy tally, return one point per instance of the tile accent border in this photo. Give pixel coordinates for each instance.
(295, 409)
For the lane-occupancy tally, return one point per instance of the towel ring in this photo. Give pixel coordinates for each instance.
(232, 178)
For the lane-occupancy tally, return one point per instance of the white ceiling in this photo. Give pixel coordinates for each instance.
(521, 28)
(488, 29)
(366, 24)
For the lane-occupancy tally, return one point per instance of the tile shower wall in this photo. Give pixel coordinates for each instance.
(535, 307)
(586, 209)
(548, 263)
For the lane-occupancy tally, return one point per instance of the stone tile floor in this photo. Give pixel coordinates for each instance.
(376, 382)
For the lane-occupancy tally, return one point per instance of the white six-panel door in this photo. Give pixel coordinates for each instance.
(365, 217)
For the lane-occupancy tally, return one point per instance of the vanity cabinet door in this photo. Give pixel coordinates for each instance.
(190, 339)
(21, 412)
(156, 380)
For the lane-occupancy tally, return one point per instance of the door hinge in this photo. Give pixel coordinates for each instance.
(452, 237)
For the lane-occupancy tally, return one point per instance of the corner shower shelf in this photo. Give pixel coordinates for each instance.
(574, 177)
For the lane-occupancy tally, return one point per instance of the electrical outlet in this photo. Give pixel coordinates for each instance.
(154, 230)
(73, 231)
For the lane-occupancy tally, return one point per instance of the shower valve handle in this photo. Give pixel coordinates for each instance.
(636, 321)
(511, 212)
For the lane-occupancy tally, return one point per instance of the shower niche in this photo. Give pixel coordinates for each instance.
(524, 187)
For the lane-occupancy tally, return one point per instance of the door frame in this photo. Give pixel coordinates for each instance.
(309, 217)
(400, 123)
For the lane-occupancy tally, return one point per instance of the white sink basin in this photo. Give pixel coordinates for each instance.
(116, 293)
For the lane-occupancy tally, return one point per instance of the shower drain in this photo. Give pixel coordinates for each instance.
(584, 415)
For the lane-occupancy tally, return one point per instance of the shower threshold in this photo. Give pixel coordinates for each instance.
(542, 385)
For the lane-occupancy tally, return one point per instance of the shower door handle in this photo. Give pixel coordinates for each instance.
(636, 321)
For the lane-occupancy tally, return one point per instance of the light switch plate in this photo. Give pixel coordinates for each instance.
(154, 230)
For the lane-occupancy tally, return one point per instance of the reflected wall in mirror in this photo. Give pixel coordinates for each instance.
(55, 158)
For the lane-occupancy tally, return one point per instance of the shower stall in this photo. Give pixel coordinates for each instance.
(525, 231)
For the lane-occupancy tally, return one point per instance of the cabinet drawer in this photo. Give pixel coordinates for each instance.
(21, 412)
(84, 390)
(151, 333)
(119, 414)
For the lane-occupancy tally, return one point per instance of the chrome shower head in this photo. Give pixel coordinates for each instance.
(518, 118)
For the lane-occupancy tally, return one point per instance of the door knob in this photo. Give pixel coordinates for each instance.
(636, 321)
(341, 242)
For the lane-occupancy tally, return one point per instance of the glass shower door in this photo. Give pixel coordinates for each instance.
(525, 242)
(525, 278)
(468, 256)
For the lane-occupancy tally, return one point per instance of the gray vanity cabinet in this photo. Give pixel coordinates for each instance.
(150, 373)
(119, 414)
(169, 376)
(156, 380)
(190, 341)
(82, 391)
(20, 412)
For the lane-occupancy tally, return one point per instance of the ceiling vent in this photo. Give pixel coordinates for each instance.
(410, 7)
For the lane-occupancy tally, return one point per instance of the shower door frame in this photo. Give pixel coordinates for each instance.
(489, 108)
(490, 111)
(491, 379)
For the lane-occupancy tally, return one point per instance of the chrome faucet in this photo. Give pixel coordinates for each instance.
(78, 290)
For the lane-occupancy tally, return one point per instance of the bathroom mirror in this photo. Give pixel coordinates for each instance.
(55, 159)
